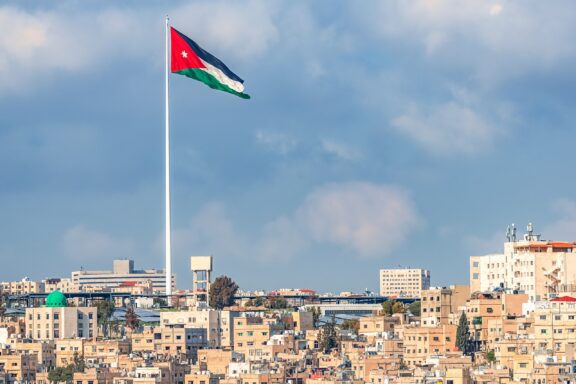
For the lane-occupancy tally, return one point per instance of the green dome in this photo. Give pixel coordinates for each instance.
(56, 299)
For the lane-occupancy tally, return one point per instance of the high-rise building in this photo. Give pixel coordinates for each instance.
(123, 271)
(542, 269)
(404, 282)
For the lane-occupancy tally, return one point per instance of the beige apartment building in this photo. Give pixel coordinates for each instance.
(555, 327)
(438, 305)
(57, 321)
(422, 342)
(66, 349)
(251, 334)
(404, 282)
(219, 325)
(22, 287)
(542, 269)
(44, 351)
(19, 368)
(59, 284)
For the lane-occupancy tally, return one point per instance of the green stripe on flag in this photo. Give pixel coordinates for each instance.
(210, 81)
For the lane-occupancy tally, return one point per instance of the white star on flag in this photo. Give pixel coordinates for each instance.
(184, 54)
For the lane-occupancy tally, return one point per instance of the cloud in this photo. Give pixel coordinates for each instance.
(36, 44)
(340, 150)
(81, 243)
(278, 142)
(212, 232)
(368, 218)
(447, 128)
(243, 30)
(494, 40)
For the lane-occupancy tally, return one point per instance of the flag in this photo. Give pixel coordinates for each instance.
(189, 59)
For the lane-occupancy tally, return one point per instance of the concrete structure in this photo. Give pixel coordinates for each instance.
(56, 321)
(123, 271)
(201, 267)
(219, 325)
(438, 305)
(404, 282)
(21, 287)
(542, 269)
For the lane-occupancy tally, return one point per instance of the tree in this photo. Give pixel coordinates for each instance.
(79, 363)
(222, 292)
(277, 302)
(414, 308)
(398, 307)
(387, 307)
(351, 324)
(259, 302)
(463, 335)
(316, 312)
(132, 320)
(3, 302)
(104, 310)
(491, 356)
(327, 339)
(61, 374)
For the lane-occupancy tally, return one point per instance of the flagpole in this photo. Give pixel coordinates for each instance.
(167, 171)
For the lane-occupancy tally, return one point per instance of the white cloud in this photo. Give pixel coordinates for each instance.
(340, 150)
(244, 29)
(36, 44)
(81, 243)
(492, 40)
(447, 128)
(212, 232)
(369, 218)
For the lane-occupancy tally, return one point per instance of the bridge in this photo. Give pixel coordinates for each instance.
(37, 299)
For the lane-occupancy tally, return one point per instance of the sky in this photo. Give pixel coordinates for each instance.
(379, 134)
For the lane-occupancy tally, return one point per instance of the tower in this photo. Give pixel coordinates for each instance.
(201, 267)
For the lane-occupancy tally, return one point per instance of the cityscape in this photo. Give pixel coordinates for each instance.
(287, 192)
(514, 323)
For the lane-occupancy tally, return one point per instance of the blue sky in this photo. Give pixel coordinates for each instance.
(378, 134)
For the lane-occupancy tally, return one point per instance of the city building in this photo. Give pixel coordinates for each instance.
(404, 282)
(438, 305)
(123, 271)
(58, 321)
(542, 269)
(22, 287)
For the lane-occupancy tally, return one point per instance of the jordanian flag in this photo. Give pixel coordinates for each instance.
(190, 60)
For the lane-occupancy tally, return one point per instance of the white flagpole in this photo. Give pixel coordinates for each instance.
(167, 172)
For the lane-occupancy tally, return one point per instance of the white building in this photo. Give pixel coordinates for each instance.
(404, 282)
(542, 269)
(123, 271)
